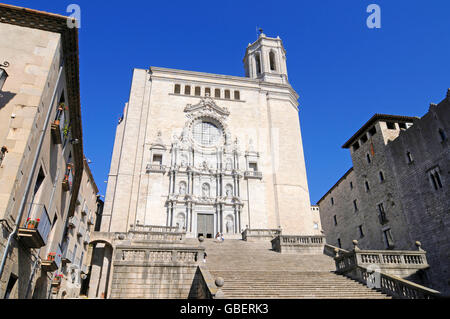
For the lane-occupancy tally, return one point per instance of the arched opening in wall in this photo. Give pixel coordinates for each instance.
(207, 91)
(197, 91)
(227, 94)
(272, 61)
(258, 63)
(187, 90)
(217, 93)
(237, 95)
(177, 89)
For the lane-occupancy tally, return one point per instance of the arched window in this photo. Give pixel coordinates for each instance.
(258, 63)
(187, 90)
(227, 94)
(272, 61)
(177, 89)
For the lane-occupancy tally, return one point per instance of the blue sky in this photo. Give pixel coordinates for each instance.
(343, 71)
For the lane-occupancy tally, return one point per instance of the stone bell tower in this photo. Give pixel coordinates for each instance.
(265, 59)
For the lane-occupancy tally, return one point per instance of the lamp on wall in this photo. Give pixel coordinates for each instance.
(3, 74)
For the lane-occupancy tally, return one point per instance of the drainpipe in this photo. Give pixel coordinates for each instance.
(30, 177)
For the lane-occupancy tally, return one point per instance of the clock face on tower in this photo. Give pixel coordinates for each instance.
(206, 133)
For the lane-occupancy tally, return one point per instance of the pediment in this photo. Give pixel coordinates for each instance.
(207, 104)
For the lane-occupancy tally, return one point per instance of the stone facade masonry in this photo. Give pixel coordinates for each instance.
(387, 199)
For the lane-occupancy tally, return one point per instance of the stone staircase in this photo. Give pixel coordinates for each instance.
(253, 270)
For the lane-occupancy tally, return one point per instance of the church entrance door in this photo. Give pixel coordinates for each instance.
(205, 225)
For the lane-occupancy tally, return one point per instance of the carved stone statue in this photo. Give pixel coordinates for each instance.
(229, 225)
(229, 190)
(182, 188)
(205, 190)
(180, 221)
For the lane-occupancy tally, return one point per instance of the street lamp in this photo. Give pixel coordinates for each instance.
(3, 74)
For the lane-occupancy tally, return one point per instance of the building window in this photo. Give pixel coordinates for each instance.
(198, 91)
(187, 90)
(227, 94)
(207, 91)
(272, 61)
(252, 166)
(364, 139)
(442, 135)
(332, 201)
(409, 157)
(382, 214)
(368, 159)
(157, 159)
(335, 220)
(339, 243)
(389, 241)
(402, 126)
(381, 176)
(436, 179)
(217, 93)
(390, 125)
(237, 95)
(258, 63)
(177, 89)
(372, 131)
(367, 186)
(361, 233)
(355, 146)
(316, 225)
(351, 185)
(355, 205)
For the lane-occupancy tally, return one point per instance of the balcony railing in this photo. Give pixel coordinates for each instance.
(57, 125)
(253, 174)
(155, 168)
(53, 261)
(153, 228)
(34, 233)
(301, 244)
(68, 178)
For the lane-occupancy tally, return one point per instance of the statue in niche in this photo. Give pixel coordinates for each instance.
(229, 224)
(180, 221)
(205, 190)
(229, 164)
(184, 160)
(182, 188)
(229, 190)
(250, 145)
(205, 165)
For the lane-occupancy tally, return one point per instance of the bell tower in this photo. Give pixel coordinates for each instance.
(265, 59)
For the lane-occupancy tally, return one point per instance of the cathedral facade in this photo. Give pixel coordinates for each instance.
(211, 153)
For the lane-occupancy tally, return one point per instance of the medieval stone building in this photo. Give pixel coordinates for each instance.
(398, 190)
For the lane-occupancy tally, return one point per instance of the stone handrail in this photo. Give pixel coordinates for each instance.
(330, 250)
(392, 285)
(261, 233)
(153, 228)
(384, 259)
(159, 255)
(208, 288)
(299, 244)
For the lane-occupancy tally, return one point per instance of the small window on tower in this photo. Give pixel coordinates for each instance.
(272, 61)
(442, 135)
(372, 131)
(364, 138)
(402, 126)
(258, 63)
(355, 146)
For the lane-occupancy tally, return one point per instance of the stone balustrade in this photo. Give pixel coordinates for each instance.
(153, 228)
(299, 244)
(401, 263)
(384, 269)
(260, 234)
(148, 256)
(392, 285)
